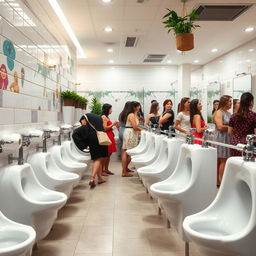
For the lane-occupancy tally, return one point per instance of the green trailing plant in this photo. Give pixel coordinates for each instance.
(180, 25)
(96, 107)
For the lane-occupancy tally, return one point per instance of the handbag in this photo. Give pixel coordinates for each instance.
(102, 136)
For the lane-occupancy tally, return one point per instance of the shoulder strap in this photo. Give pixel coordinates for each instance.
(90, 122)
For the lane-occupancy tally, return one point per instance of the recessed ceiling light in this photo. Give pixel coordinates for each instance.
(214, 50)
(249, 29)
(169, 61)
(196, 61)
(111, 61)
(108, 29)
(106, 1)
(251, 50)
(109, 50)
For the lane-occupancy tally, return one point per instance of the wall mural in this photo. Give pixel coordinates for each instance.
(22, 75)
(14, 87)
(3, 77)
(118, 98)
(9, 51)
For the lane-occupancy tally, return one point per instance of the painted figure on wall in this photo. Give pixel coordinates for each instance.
(22, 74)
(9, 51)
(14, 87)
(3, 77)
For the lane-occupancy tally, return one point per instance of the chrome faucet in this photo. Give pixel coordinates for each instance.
(190, 136)
(249, 149)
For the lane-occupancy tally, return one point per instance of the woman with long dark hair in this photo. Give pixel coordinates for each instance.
(131, 135)
(236, 105)
(166, 119)
(153, 115)
(215, 106)
(243, 122)
(221, 119)
(108, 127)
(197, 120)
(121, 120)
(182, 122)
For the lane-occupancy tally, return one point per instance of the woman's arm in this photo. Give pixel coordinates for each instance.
(230, 130)
(164, 118)
(132, 119)
(105, 121)
(147, 119)
(197, 122)
(218, 121)
(177, 127)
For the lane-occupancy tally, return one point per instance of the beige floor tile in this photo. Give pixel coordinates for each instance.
(93, 254)
(59, 248)
(100, 218)
(124, 246)
(95, 244)
(96, 230)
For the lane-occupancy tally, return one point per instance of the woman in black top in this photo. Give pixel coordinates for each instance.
(85, 136)
(167, 118)
(153, 115)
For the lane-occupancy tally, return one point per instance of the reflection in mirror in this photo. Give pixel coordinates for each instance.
(241, 84)
(213, 93)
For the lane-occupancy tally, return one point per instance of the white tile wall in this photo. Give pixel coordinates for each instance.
(7, 116)
(22, 116)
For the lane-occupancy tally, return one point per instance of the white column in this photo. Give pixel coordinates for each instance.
(184, 80)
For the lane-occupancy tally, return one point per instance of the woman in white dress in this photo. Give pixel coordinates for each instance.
(131, 135)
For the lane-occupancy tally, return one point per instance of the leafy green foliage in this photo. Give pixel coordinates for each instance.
(96, 107)
(73, 95)
(67, 94)
(180, 25)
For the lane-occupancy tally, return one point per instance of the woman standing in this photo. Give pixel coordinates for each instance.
(153, 115)
(121, 119)
(108, 127)
(196, 120)
(167, 117)
(131, 135)
(215, 106)
(85, 136)
(182, 123)
(236, 105)
(221, 119)
(243, 122)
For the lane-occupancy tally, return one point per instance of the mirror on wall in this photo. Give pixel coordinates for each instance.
(242, 84)
(195, 93)
(213, 93)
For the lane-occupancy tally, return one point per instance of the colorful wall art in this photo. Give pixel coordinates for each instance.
(9, 51)
(14, 87)
(3, 77)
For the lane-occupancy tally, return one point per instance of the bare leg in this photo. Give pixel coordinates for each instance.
(102, 163)
(125, 161)
(222, 163)
(96, 166)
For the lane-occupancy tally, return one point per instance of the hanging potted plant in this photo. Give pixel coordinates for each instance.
(182, 27)
(68, 98)
(68, 106)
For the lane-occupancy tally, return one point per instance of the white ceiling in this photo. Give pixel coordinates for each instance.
(129, 18)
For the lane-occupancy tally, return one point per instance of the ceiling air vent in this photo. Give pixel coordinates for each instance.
(154, 58)
(220, 12)
(131, 41)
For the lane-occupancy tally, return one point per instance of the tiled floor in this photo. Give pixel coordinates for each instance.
(116, 218)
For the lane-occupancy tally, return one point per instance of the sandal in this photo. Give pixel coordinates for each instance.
(104, 173)
(92, 184)
(101, 181)
(127, 175)
(129, 170)
(109, 172)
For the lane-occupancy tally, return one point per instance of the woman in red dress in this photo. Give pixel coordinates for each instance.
(108, 126)
(197, 120)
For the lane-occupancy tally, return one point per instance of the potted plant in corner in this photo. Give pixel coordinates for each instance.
(96, 107)
(182, 27)
(68, 107)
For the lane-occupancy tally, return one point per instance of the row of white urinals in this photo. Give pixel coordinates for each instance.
(182, 177)
(31, 194)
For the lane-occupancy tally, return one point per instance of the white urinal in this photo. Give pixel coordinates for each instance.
(74, 155)
(191, 187)
(62, 160)
(151, 155)
(228, 225)
(50, 175)
(15, 239)
(165, 163)
(23, 199)
(142, 146)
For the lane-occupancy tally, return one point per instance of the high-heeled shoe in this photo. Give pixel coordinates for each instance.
(109, 172)
(92, 183)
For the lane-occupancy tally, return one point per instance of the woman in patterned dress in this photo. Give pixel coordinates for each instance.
(131, 135)
(242, 123)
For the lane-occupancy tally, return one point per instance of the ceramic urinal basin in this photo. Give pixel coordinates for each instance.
(165, 163)
(142, 146)
(191, 187)
(50, 175)
(15, 239)
(228, 225)
(72, 152)
(65, 163)
(23, 199)
(152, 153)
